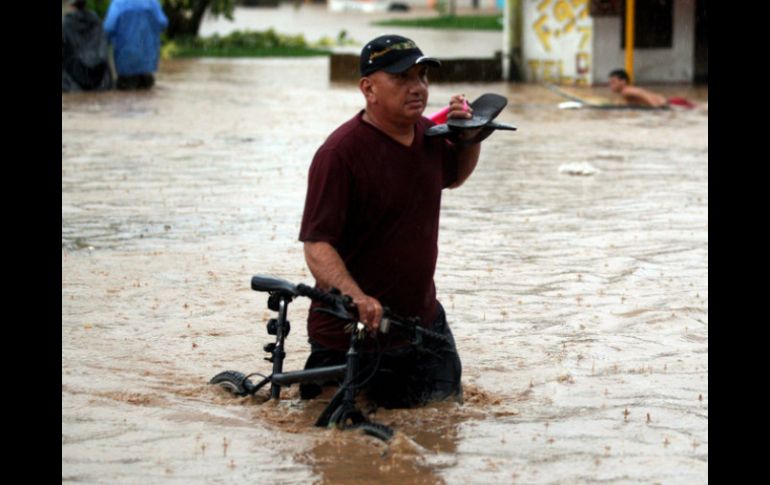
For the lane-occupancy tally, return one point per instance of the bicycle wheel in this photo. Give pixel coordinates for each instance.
(385, 433)
(234, 382)
(346, 417)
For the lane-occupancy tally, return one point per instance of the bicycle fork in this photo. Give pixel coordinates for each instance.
(342, 407)
(280, 328)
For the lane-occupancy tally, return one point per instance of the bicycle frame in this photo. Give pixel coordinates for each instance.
(341, 410)
(280, 327)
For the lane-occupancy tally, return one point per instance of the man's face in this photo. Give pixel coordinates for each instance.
(616, 84)
(402, 96)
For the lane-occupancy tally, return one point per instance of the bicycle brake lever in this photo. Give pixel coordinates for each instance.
(385, 325)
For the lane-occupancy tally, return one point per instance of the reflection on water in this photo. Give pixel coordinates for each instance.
(579, 303)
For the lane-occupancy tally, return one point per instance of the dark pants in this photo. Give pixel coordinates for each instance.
(139, 81)
(406, 377)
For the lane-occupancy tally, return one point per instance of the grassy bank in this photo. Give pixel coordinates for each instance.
(249, 44)
(465, 22)
(187, 52)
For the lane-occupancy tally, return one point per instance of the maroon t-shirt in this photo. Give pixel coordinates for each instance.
(377, 203)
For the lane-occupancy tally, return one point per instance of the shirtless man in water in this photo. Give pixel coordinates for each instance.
(619, 83)
(634, 96)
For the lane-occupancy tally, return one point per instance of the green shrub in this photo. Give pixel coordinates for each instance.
(247, 44)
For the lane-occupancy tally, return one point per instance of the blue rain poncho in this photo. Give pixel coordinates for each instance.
(133, 27)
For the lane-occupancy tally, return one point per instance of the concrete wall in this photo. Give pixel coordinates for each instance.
(557, 41)
(650, 65)
(344, 68)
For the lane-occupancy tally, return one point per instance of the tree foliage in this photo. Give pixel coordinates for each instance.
(185, 16)
(98, 6)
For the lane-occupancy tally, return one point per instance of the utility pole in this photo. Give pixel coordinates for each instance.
(630, 39)
(512, 32)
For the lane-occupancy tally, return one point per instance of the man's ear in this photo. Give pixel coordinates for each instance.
(366, 85)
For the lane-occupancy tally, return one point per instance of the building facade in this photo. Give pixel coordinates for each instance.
(578, 42)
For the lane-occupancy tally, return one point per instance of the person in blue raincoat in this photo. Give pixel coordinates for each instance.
(133, 27)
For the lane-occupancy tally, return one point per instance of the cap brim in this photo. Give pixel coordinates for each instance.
(410, 61)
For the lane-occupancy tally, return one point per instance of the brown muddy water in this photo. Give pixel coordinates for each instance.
(579, 302)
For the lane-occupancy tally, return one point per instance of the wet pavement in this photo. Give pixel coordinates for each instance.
(579, 303)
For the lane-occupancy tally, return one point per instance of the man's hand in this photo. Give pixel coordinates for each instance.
(459, 108)
(369, 311)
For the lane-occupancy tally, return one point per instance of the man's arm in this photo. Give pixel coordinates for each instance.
(635, 95)
(467, 155)
(329, 271)
(467, 158)
(160, 17)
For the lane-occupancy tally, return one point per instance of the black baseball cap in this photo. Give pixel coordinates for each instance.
(393, 54)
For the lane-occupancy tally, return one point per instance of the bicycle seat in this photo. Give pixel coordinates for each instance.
(446, 129)
(485, 109)
(272, 285)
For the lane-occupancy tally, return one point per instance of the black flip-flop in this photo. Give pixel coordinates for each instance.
(485, 110)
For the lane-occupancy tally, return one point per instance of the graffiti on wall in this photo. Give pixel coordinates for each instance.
(562, 31)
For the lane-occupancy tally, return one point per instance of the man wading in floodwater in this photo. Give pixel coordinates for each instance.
(371, 219)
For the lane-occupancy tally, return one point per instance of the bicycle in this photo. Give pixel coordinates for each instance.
(341, 412)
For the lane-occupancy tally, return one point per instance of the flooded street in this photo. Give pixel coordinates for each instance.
(579, 302)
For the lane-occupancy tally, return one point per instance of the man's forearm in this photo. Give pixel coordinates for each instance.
(328, 268)
(467, 158)
(330, 272)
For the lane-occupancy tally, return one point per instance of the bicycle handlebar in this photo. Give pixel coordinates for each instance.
(343, 307)
(331, 298)
(410, 325)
